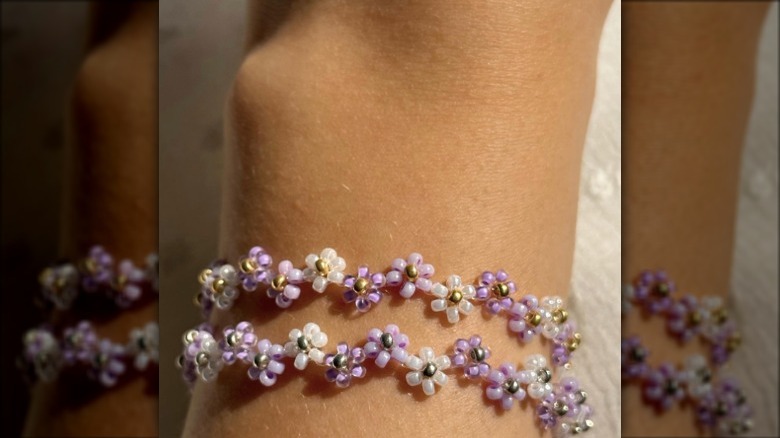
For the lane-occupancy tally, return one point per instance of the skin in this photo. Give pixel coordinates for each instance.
(110, 197)
(688, 89)
(455, 131)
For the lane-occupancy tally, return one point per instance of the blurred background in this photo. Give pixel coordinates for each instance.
(43, 45)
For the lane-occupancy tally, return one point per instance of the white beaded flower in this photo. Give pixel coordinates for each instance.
(698, 376)
(306, 344)
(453, 298)
(538, 377)
(552, 316)
(220, 285)
(427, 369)
(203, 350)
(60, 284)
(326, 268)
(144, 345)
(42, 351)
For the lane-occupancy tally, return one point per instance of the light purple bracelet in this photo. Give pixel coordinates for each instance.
(125, 283)
(718, 401)
(560, 405)
(222, 282)
(45, 356)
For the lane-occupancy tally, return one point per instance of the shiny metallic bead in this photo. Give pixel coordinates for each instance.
(694, 318)
(662, 289)
(247, 265)
(90, 265)
(361, 284)
(671, 386)
(322, 267)
(511, 386)
(303, 344)
(587, 424)
(190, 336)
(574, 342)
(219, 285)
(48, 272)
(387, 340)
(720, 315)
(544, 375)
(501, 289)
(279, 282)
(560, 316)
(261, 361)
(141, 343)
(560, 408)
(204, 275)
(733, 342)
(580, 396)
(340, 361)
(456, 296)
(638, 354)
(198, 299)
(576, 430)
(430, 369)
(534, 318)
(100, 360)
(721, 409)
(704, 374)
(180, 361)
(478, 354)
(202, 358)
(411, 272)
(233, 339)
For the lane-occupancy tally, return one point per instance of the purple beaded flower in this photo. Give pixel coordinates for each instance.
(684, 318)
(107, 363)
(495, 288)
(267, 362)
(80, 343)
(387, 344)
(412, 273)
(254, 268)
(363, 289)
(504, 384)
(98, 269)
(654, 290)
(632, 358)
(237, 342)
(345, 364)
(525, 318)
(60, 284)
(664, 386)
(283, 288)
(144, 345)
(219, 284)
(471, 356)
(129, 283)
(42, 354)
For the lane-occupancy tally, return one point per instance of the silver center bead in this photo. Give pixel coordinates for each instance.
(429, 369)
(387, 340)
(262, 360)
(233, 339)
(303, 344)
(511, 386)
(544, 374)
(202, 358)
(580, 396)
(340, 361)
(477, 354)
(560, 408)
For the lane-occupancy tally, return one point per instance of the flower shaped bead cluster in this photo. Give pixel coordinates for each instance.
(718, 403)
(455, 298)
(45, 357)
(123, 283)
(559, 405)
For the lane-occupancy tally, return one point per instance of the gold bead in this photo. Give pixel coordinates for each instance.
(361, 284)
(218, 286)
(560, 316)
(247, 265)
(411, 271)
(694, 318)
(456, 296)
(533, 318)
(198, 300)
(733, 342)
(574, 342)
(721, 315)
(662, 289)
(501, 289)
(48, 272)
(59, 284)
(204, 275)
(322, 266)
(279, 282)
(90, 265)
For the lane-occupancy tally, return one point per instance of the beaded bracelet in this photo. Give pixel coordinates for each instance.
(718, 402)
(559, 405)
(45, 357)
(221, 282)
(63, 282)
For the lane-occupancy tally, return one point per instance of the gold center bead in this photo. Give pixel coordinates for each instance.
(456, 296)
(411, 271)
(733, 342)
(560, 316)
(204, 275)
(218, 286)
(501, 289)
(694, 318)
(361, 284)
(279, 282)
(533, 318)
(720, 315)
(322, 267)
(44, 274)
(247, 265)
(574, 342)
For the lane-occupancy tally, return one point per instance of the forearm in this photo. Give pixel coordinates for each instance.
(389, 131)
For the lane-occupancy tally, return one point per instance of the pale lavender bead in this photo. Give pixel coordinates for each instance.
(385, 345)
(344, 365)
(399, 277)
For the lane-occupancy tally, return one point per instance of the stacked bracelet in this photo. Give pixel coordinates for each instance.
(62, 283)
(718, 402)
(559, 405)
(222, 282)
(45, 356)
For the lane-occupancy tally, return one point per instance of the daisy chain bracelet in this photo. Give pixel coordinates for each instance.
(222, 282)
(560, 405)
